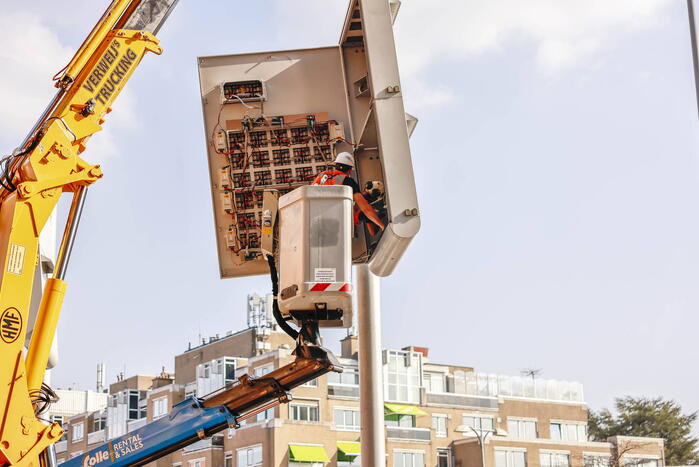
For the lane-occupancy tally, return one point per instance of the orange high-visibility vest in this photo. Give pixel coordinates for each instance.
(335, 177)
(330, 177)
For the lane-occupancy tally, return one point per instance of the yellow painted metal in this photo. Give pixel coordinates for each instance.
(42, 338)
(95, 38)
(102, 67)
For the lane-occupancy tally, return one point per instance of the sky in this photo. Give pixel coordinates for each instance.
(555, 161)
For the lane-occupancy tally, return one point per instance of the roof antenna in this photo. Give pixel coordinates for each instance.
(531, 372)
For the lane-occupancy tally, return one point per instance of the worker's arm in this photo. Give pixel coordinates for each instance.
(368, 211)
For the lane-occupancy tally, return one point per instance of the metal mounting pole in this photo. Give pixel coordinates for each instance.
(48, 457)
(370, 368)
(66, 248)
(695, 46)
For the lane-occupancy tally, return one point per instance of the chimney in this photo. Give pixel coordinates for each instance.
(423, 350)
(101, 377)
(350, 346)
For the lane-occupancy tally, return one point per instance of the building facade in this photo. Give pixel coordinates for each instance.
(436, 415)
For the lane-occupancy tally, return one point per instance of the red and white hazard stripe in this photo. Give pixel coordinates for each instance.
(329, 286)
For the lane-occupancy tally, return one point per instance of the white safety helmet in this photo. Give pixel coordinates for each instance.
(345, 158)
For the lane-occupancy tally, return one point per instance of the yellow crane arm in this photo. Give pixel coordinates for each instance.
(47, 164)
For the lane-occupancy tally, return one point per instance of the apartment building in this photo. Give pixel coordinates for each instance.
(435, 414)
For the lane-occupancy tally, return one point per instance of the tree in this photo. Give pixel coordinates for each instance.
(654, 418)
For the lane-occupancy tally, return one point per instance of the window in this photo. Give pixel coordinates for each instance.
(408, 458)
(305, 412)
(250, 456)
(311, 384)
(399, 420)
(443, 458)
(78, 432)
(160, 407)
(439, 423)
(554, 459)
(201, 462)
(523, 429)
(572, 431)
(229, 370)
(597, 460)
(478, 423)
(136, 411)
(346, 418)
(228, 460)
(640, 462)
(268, 414)
(99, 422)
(403, 376)
(349, 377)
(435, 382)
(510, 458)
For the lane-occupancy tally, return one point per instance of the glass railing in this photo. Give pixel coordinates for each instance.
(462, 400)
(95, 437)
(491, 385)
(342, 390)
(404, 433)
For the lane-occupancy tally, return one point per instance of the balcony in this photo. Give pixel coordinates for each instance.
(408, 434)
(461, 400)
(61, 446)
(135, 424)
(214, 442)
(343, 391)
(96, 437)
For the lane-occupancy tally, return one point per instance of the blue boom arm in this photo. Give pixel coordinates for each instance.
(194, 419)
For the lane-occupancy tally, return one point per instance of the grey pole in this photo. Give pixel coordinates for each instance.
(695, 47)
(66, 248)
(370, 368)
(481, 440)
(48, 457)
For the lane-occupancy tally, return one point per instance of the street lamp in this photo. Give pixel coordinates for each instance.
(481, 435)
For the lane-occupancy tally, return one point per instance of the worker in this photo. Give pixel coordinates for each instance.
(344, 163)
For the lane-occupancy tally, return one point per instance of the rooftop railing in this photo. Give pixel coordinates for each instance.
(491, 385)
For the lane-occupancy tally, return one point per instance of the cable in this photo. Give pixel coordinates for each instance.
(42, 398)
(293, 333)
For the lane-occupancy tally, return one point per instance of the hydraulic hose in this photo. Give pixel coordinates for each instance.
(275, 306)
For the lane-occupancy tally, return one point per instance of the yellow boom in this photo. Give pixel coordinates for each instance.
(47, 164)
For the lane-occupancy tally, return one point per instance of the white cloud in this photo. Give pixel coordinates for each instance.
(30, 54)
(563, 33)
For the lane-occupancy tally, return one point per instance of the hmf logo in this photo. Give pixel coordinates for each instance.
(10, 325)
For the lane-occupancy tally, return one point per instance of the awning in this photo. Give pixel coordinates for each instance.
(349, 448)
(399, 409)
(302, 453)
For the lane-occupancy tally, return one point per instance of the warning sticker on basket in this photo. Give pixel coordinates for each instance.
(325, 275)
(15, 262)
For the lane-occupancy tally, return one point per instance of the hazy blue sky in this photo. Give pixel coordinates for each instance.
(556, 163)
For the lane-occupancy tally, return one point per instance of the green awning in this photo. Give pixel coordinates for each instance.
(302, 453)
(400, 409)
(349, 448)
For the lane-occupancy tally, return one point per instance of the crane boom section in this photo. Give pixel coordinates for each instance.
(194, 419)
(46, 165)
